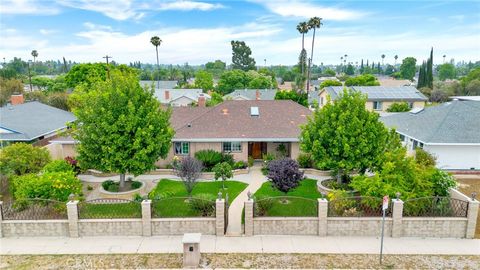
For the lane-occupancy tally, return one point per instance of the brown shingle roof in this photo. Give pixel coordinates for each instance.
(278, 120)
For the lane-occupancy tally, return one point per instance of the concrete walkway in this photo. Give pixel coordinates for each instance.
(255, 244)
(236, 207)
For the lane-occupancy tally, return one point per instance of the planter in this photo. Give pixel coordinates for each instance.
(316, 172)
(325, 190)
(128, 195)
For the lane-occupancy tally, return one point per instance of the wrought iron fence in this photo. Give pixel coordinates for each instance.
(182, 207)
(356, 206)
(435, 207)
(285, 206)
(34, 209)
(109, 209)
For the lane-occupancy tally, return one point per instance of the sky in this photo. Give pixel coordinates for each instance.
(200, 31)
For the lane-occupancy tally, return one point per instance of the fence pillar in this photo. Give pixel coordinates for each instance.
(220, 217)
(147, 218)
(72, 213)
(397, 217)
(1, 219)
(249, 217)
(322, 217)
(472, 218)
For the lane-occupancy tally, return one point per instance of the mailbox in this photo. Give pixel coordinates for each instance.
(191, 250)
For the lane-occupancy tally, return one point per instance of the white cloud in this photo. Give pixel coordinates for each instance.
(188, 5)
(306, 9)
(27, 7)
(47, 31)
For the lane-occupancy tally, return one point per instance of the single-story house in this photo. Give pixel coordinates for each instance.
(450, 131)
(252, 94)
(464, 98)
(31, 122)
(180, 97)
(379, 98)
(160, 84)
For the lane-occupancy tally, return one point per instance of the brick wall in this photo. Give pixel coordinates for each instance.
(286, 225)
(434, 227)
(351, 226)
(30, 228)
(110, 227)
(173, 226)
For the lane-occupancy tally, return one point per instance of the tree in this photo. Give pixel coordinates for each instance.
(383, 57)
(91, 73)
(350, 70)
(216, 68)
(8, 87)
(224, 171)
(156, 41)
(421, 76)
(22, 158)
(189, 170)
(204, 80)
(300, 98)
(215, 99)
(300, 79)
(408, 68)
(344, 136)
(35, 55)
(231, 80)
(48, 185)
(120, 126)
(446, 71)
(473, 88)
(327, 83)
(241, 56)
(389, 69)
(313, 23)
(329, 72)
(399, 107)
(429, 74)
(284, 174)
(303, 28)
(395, 57)
(362, 80)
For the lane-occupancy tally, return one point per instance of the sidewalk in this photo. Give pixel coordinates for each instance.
(255, 244)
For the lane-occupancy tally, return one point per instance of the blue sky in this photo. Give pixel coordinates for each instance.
(200, 31)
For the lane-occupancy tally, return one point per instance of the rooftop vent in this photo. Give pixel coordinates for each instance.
(416, 110)
(254, 111)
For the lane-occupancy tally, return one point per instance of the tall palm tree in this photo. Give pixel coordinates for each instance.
(303, 29)
(35, 55)
(444, 58)
(156, 41)
(313, 23)
(383, 57)
(396, 57)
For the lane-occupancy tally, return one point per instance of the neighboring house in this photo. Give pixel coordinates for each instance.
(31, 122)
(450, 131)
(252, 94)
(379, 98)
(162, 84)
(180, 97)
(242, 128)
(464, 98)
(392, 82)
(286, 86)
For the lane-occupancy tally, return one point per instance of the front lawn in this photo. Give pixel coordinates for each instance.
(304, 205)
(110, 210)
(169, 191)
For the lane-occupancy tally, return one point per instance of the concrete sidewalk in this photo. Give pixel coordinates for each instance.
(255, 244)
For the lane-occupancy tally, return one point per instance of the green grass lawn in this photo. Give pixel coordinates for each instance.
(305, 205)
(172, 206)
(113, 210)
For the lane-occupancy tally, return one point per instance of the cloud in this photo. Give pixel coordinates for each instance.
(189, 5)
(27, 7)
(47, 31)
(306, 9)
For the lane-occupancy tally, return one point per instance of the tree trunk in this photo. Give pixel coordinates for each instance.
(158, 69)
(303, 47)
(339, 176)
(122, 180)
(310, 62)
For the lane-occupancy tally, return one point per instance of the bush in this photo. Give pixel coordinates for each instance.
(22, 158)
(424, 158)
(203, 203)
(136, 184)
(89, 187)
(137, 197)
(106, 184)
(251, 161)
(74, 163)
(399, 107)
(305, 160)
(209, 158)
(284, 174)
(58, 166)
(224, 171)
(189, 170)
(51, 185)
(240, 165)
(263, 205)
(442, 181)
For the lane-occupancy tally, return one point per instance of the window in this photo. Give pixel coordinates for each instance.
(377, 105)
(410, 105)
(415, 144)
(232, 147)
(321, 100)
(402, 138)
(181, 148)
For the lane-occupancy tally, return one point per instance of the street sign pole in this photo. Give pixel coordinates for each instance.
(384, 209)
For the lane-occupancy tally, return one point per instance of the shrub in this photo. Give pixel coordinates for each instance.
(136, 184)
(58, 166)
(51, 185)
(106, 184)
(399, 107)
(203, 203)
(209, 158)
(284, 174)
(74, 163)
(305, 160)
(424, 158)
(442, 181)
(224, 171)
(266, 160)
(22, 158)
(137, 197)
(240, 165)
(228, 158)
(263, 205)
(251, 160)
(281, 150)
(189, 170)
(89, 187)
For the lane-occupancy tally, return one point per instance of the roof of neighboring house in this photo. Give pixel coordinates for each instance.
(175, 94)
(286, 86)
(313, 95)
(474, 98)
(162, 84)
(392, 82)
(30, 120)
(380, 93)
(278, 120)
(455, 122)
(251, 94)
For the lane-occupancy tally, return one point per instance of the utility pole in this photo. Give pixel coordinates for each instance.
(108, 68)
(265, 62)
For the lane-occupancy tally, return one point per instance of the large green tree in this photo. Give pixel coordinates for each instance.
(91, 73)
(362, 80)
(204, 80)
(408, 68)
(22, 158)
(344, 136)
(446, 71)
(241, 56)
(120, 126)
(231, 80)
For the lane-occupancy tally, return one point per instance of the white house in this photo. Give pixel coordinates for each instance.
(450, 131)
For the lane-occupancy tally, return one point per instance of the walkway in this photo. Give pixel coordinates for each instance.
(255, 244)
(236, 207)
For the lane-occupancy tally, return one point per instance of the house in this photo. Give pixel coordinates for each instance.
(286, 86)
(252, 94)
(379, 98)
(31, 122)
(450, 131)
(180, 97)
(388, 81)
(464, 98)
(159, 84)
(243, 128)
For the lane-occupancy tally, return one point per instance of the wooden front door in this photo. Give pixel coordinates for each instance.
(257, 150)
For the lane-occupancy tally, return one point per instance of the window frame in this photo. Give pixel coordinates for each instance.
(375, 107)
(238, 148)
(182, 151)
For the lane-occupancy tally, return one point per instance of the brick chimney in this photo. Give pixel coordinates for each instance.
(201, 101)
(167, 95)
(17, 99)
(257, 95)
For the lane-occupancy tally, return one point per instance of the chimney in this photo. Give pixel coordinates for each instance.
(167, 94)
(257, 95)
(201, 101)
(17, 99)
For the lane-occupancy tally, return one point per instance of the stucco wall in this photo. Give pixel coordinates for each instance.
(434, 227)
(61, 151)
(285, 225)
(182, 101)
(110, 227)
(174, 226)
(366, 226)
(387, 104)
(30, 228)
(461, 157)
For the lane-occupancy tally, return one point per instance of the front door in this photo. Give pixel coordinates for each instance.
(257, 150)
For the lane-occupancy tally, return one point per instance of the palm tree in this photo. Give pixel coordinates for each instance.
(444, 58)
(313, 23)
(156, 41)
(383, 57)
(303, 29)
(396, 57)
(35, 55)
